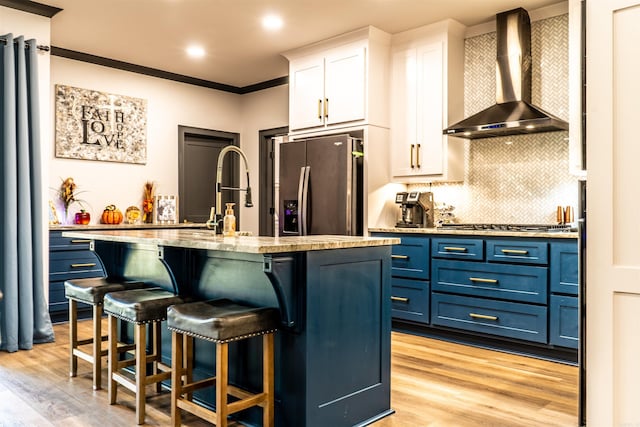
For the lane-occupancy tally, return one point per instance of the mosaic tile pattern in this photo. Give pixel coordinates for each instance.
(517, 179)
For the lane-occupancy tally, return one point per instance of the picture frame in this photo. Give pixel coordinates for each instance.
(165, 210)
(53, 214)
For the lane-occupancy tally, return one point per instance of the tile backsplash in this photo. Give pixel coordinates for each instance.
(523, 178)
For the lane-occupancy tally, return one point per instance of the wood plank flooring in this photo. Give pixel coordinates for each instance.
(434, 383)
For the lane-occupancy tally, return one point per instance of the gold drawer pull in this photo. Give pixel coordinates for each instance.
(320, 109)
(482, 316)
(480, 279)
(399, 257)
(89, 264)
(81, 241)
(514, 251)
(454, 249)
(399, 299)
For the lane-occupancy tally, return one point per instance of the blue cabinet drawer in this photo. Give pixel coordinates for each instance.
(564, 268)
(450, 247)
(518, 251)
(74, 265)
(59, 243)
(410, 300)
(563, 321)
(411, 258)
(522, 283)
(507, 319)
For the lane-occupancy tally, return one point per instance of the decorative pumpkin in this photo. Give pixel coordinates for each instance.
(111, 215)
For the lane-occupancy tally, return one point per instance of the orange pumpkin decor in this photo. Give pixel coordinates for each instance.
(111, 215)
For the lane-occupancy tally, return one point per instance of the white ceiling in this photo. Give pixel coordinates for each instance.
(155, 33)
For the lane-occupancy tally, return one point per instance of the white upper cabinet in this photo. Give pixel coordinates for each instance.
(426, 94)
(332, 83)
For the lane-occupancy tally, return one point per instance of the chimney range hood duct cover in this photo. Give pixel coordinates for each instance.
(513, 113)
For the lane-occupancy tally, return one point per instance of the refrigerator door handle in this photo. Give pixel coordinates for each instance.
(300, 200)
(304, 200)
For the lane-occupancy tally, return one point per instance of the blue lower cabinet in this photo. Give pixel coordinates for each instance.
(563, 324)
(507, 319)
(522, 283)
(410, 300)
(564, 268)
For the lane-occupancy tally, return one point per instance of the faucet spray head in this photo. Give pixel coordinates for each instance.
(247, 198)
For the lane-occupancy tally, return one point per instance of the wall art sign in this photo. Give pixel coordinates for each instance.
(93, 125)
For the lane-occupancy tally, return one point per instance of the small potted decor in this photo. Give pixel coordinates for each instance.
(83, 217)
(147, 203)
(68, 196)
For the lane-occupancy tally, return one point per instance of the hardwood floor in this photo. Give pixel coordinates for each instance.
(434, 383)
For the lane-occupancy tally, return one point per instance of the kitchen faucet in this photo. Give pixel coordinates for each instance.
(216, 212)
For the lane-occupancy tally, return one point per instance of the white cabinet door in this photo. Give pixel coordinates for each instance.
(306, 82)
(613, 258)
(345, 85)
(328, 89)
(404, 115)
(418, 146)
(430, 152)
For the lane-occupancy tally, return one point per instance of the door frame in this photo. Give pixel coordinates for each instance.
(183, 133)
(266, 171)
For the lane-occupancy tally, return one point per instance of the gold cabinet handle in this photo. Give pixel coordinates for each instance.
(78, 241)
(454, 249)
(411, 156)
(514, 251)
(399, 299)
(481, 280)
(399, 257)
(319, 109)
(89, 264)
(418, 155)
(482, 316)
(326, 108)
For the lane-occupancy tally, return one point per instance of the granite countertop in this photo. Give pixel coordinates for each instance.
(488, 233)
(123, 226)
(206, 239)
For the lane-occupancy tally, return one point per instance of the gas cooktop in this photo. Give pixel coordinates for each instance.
(509, 227)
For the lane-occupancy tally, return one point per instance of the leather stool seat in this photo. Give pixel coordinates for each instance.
(220, 321)
(140, 307)
(93, 290)
(90, 291)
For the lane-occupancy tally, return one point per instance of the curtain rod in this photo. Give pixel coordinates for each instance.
(44, 48)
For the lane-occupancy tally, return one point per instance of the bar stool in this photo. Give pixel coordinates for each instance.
(220, 321)
(140, 307)
(90, 291)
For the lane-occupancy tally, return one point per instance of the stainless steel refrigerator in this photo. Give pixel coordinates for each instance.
(320, 186)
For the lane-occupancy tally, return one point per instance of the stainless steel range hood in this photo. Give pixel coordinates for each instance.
(513, 113)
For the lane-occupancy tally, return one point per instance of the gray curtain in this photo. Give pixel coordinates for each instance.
(24, 317)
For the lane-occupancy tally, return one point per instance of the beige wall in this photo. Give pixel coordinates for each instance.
(266, 109)
(169, 104)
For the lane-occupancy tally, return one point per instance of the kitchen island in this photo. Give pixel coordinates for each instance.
(333, 292)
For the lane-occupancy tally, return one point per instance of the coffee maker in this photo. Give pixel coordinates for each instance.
(416, 209)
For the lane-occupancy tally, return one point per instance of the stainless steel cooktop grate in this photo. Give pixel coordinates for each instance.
(509, 227)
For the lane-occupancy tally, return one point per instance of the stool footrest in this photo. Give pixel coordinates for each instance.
(240, 405)
(197, 410)
(87, 357)
(189, 388)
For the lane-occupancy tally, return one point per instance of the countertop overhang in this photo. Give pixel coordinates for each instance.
(208, 240)
(488, 233)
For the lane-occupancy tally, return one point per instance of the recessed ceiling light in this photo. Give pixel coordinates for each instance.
(195, 51)
(272, 22)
